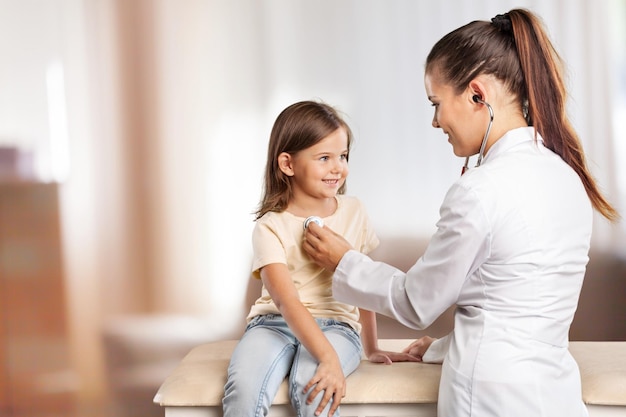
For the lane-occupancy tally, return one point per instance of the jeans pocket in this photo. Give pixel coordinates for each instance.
(271, 320)
(255, 321)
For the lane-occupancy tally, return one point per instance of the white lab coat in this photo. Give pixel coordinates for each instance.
(510, 251)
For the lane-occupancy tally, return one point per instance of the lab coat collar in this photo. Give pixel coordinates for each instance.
(511, 139)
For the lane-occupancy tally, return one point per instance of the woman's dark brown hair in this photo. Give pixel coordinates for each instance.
(298, 127)
(515, 48)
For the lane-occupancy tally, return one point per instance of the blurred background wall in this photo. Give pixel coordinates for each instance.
(138, 129)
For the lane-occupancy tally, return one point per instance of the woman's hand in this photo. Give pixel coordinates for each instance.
(324, 246)
(419, 347)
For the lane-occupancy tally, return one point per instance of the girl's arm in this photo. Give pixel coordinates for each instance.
(369, 338)
(329, 377)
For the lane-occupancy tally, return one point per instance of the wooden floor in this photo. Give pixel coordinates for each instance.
(68, 411)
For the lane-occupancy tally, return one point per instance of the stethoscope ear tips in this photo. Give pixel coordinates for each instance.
(314, 219)
(476, 98)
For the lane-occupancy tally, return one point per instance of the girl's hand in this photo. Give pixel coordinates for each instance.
(386, 357)
(419, 347)
(329, 380)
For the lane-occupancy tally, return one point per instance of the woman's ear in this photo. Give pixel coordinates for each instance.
(477, 91)
(285, 164)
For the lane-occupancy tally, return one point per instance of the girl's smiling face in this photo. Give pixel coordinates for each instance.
(319, 171)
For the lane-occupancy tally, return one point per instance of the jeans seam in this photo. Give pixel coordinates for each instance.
(294, 386)
(258, 411)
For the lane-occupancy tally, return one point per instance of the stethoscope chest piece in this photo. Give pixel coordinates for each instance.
(315, 219)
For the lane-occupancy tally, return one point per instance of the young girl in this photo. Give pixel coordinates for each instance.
(296, 327)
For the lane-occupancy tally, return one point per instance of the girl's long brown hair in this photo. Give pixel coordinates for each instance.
(516, 49)
(298, 127)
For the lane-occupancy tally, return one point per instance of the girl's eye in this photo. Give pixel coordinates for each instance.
(324, 158)
(434, 104)
(344, 156)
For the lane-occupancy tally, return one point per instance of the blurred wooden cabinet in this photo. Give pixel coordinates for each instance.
(35, 371)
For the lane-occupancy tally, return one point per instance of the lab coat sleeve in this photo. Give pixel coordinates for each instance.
(417, 298)
(437, 350)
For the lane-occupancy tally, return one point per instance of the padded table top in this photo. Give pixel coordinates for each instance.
(200, 377)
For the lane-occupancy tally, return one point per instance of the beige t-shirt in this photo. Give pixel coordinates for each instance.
(277, 238)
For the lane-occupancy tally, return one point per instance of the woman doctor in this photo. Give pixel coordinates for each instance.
(512, 243)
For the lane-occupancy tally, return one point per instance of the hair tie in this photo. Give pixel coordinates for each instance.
(503, 23)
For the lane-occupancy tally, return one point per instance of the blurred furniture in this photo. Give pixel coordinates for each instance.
(195, 388)
(140, 351)
(601, 312)
(35, 368)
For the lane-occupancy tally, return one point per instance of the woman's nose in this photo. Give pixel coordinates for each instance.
(435, 122)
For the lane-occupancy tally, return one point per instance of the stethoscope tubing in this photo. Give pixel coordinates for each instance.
(481, 152)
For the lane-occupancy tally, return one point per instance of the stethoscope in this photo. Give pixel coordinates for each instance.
(481, 153)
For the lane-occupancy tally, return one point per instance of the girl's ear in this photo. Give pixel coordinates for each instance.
(284, 163)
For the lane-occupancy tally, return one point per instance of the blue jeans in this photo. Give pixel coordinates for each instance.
(268, 352)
